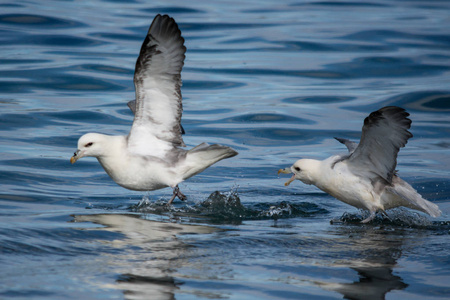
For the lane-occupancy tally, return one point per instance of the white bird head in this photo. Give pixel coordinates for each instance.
(303, 170)
(90, 144)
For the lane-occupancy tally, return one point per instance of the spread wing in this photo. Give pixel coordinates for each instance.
(385, 131)
(157, 80)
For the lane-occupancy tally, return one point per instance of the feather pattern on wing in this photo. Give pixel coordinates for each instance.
(385, 131)
(157, 79)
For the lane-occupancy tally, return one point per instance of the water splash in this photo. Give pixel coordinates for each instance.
(399, 217)
(284, 209)
(227, 208)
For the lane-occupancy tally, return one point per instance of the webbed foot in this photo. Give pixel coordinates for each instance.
(370, 218)
(177, 193)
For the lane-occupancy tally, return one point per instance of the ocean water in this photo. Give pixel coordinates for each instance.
(275, 80)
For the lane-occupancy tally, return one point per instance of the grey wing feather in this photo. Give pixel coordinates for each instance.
(157, 80)
(384, 132)
(351, 146)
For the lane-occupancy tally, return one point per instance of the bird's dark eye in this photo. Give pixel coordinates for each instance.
(88, 144)
(297, 169)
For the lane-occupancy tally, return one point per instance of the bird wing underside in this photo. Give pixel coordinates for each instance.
(157, 79)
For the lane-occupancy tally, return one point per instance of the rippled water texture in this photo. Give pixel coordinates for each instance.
(276, 80)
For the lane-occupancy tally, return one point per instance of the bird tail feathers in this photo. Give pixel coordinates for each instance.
(413, 199)
(204, 155)
(213, 153)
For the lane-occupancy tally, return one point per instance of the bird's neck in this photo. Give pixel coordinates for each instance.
(326, 177)
(313, 172)
(113, 154)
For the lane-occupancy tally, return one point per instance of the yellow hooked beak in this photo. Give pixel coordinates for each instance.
(75, 157)
(287, 171)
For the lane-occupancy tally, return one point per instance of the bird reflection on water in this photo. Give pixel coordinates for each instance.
(152, 256)
(150, 253)
(373, 255)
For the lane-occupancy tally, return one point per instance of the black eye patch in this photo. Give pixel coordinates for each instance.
(88, 144)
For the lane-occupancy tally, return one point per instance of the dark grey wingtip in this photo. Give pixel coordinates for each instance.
(233, 152)
(162, 28)
(165, 26)
(397, 114)
(351, 146)
(132, 105)
(400, 116)
(340, 140)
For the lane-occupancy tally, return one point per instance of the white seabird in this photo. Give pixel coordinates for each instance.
(150, 157)
(366, 177)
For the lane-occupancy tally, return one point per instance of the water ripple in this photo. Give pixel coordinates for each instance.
(399, 38)
(266, 118)
(418, 101)
(173, 10)
(38, 21)
(343, 4)
(42, 119)
(318, 99)
(386, 67)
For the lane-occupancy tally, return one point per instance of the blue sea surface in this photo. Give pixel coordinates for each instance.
(275, 80)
